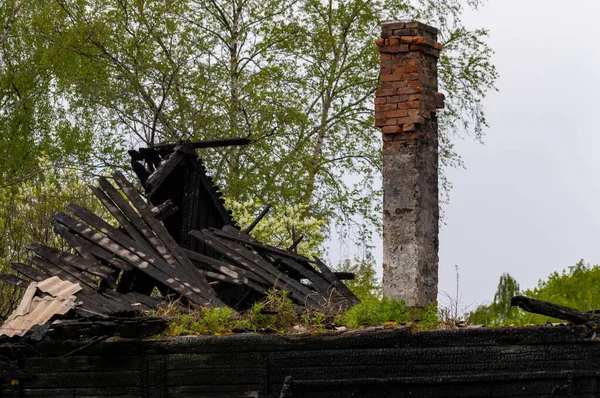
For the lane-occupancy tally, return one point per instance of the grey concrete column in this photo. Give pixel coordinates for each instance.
(405, 109)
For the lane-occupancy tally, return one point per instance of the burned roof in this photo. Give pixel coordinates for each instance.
(178, 238)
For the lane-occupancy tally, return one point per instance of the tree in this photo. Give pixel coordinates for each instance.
(576, 287)
(26, 214)
(36, 116)
(296, 76)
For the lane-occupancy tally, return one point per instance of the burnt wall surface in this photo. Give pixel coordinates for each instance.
(527, 362)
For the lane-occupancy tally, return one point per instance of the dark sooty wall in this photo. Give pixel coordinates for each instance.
(543, 361)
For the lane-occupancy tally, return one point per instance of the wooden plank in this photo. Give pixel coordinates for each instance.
(28, 271)
(123, 240)
(114, 206)
(208, 143)
(14, 280)
(145, 235)
(258, 219)
(214, 195)
(127, 301)
(151, 302)
(164, 210)
(234, 281)
(132, 254)
(345, 276)
(319, 282)
(232, 233)
(81, 263)
(156, 179)
(65, 271)
(92, 301)
(242, 256)
(555, 310)
(339, 285)
(224, 267)
(161, 232)
(84, 246)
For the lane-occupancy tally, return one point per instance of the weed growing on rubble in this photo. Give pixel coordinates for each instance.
(277, 313)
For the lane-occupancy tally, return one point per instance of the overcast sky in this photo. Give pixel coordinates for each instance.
(528, 202)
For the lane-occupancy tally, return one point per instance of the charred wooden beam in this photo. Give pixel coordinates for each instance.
(164, 210)
(295, 244)
(257, 219)
(28, 271)
(129, 251)
(345, 276)
(208, 144)
(14, 280)
(554, 310)
(330, 276)
(156, 179)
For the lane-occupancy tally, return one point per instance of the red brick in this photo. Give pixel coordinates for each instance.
(406, 39)
(379, 42)
(392, 78)
(412, 61)
(386, 86)
(380, 101)
(397, 113)
(386, 71)
(391, 129)
(409, 90)
(409, 127)
(385, 122)
(412, 120)
(416, 47)
(410, 76)
(400, 84)
(438, 46)
(409, 105)
(385, 108)
(393, 41)
(397, 99)
(394, 49)
(407, 69)
(385, 93)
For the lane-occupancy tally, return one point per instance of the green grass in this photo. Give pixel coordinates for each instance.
(277, 313)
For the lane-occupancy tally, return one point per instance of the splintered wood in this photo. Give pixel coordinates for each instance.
(119, 267)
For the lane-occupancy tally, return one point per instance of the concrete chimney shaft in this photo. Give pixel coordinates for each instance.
(405, 109)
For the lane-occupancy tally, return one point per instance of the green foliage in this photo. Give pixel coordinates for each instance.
(377, 311)
(365, 284)
(204, 321)
(373, 311)
(84, 80)
(281, 224)
(577, 287)
(26, 213)
(500, 311)
(277, 313)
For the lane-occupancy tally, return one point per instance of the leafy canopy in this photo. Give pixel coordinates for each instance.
(83, 81)
(578, 287)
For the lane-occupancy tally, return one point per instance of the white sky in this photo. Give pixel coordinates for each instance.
(529, 201)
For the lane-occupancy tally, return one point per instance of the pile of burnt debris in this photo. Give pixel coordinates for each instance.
(177, 239)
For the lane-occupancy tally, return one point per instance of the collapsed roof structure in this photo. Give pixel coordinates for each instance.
(179, 239)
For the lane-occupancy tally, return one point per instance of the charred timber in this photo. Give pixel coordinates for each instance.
(555, 311)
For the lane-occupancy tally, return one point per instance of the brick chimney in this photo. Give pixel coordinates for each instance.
(405, 109)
